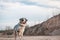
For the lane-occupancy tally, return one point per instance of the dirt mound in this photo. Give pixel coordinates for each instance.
(49, 27)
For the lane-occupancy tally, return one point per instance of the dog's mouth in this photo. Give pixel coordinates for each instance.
(23, 22)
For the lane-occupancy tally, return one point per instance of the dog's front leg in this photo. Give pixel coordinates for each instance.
(20, 36)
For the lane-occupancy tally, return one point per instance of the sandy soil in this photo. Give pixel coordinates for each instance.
(35, 38)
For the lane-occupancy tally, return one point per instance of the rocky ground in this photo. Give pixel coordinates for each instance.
(35, 38)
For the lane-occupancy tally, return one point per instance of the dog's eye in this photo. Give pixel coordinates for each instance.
(22, 20)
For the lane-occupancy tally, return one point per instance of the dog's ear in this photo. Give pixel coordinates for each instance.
(26, 19)
(21, 19)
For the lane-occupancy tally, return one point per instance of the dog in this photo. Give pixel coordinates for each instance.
(20, 28)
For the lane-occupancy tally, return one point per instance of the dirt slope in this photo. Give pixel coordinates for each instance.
(49, 27)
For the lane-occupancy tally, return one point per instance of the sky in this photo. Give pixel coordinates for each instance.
(36, 11)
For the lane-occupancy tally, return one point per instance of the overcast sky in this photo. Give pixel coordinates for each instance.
(36, 11)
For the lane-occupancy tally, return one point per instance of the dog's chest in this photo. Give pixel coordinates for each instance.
(22, 28)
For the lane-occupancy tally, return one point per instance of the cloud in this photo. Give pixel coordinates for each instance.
(16, 10)
(55, 0)
(41, 3)
(50, 3)
(11, 11)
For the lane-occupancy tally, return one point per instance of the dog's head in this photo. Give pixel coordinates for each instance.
(23, 20)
